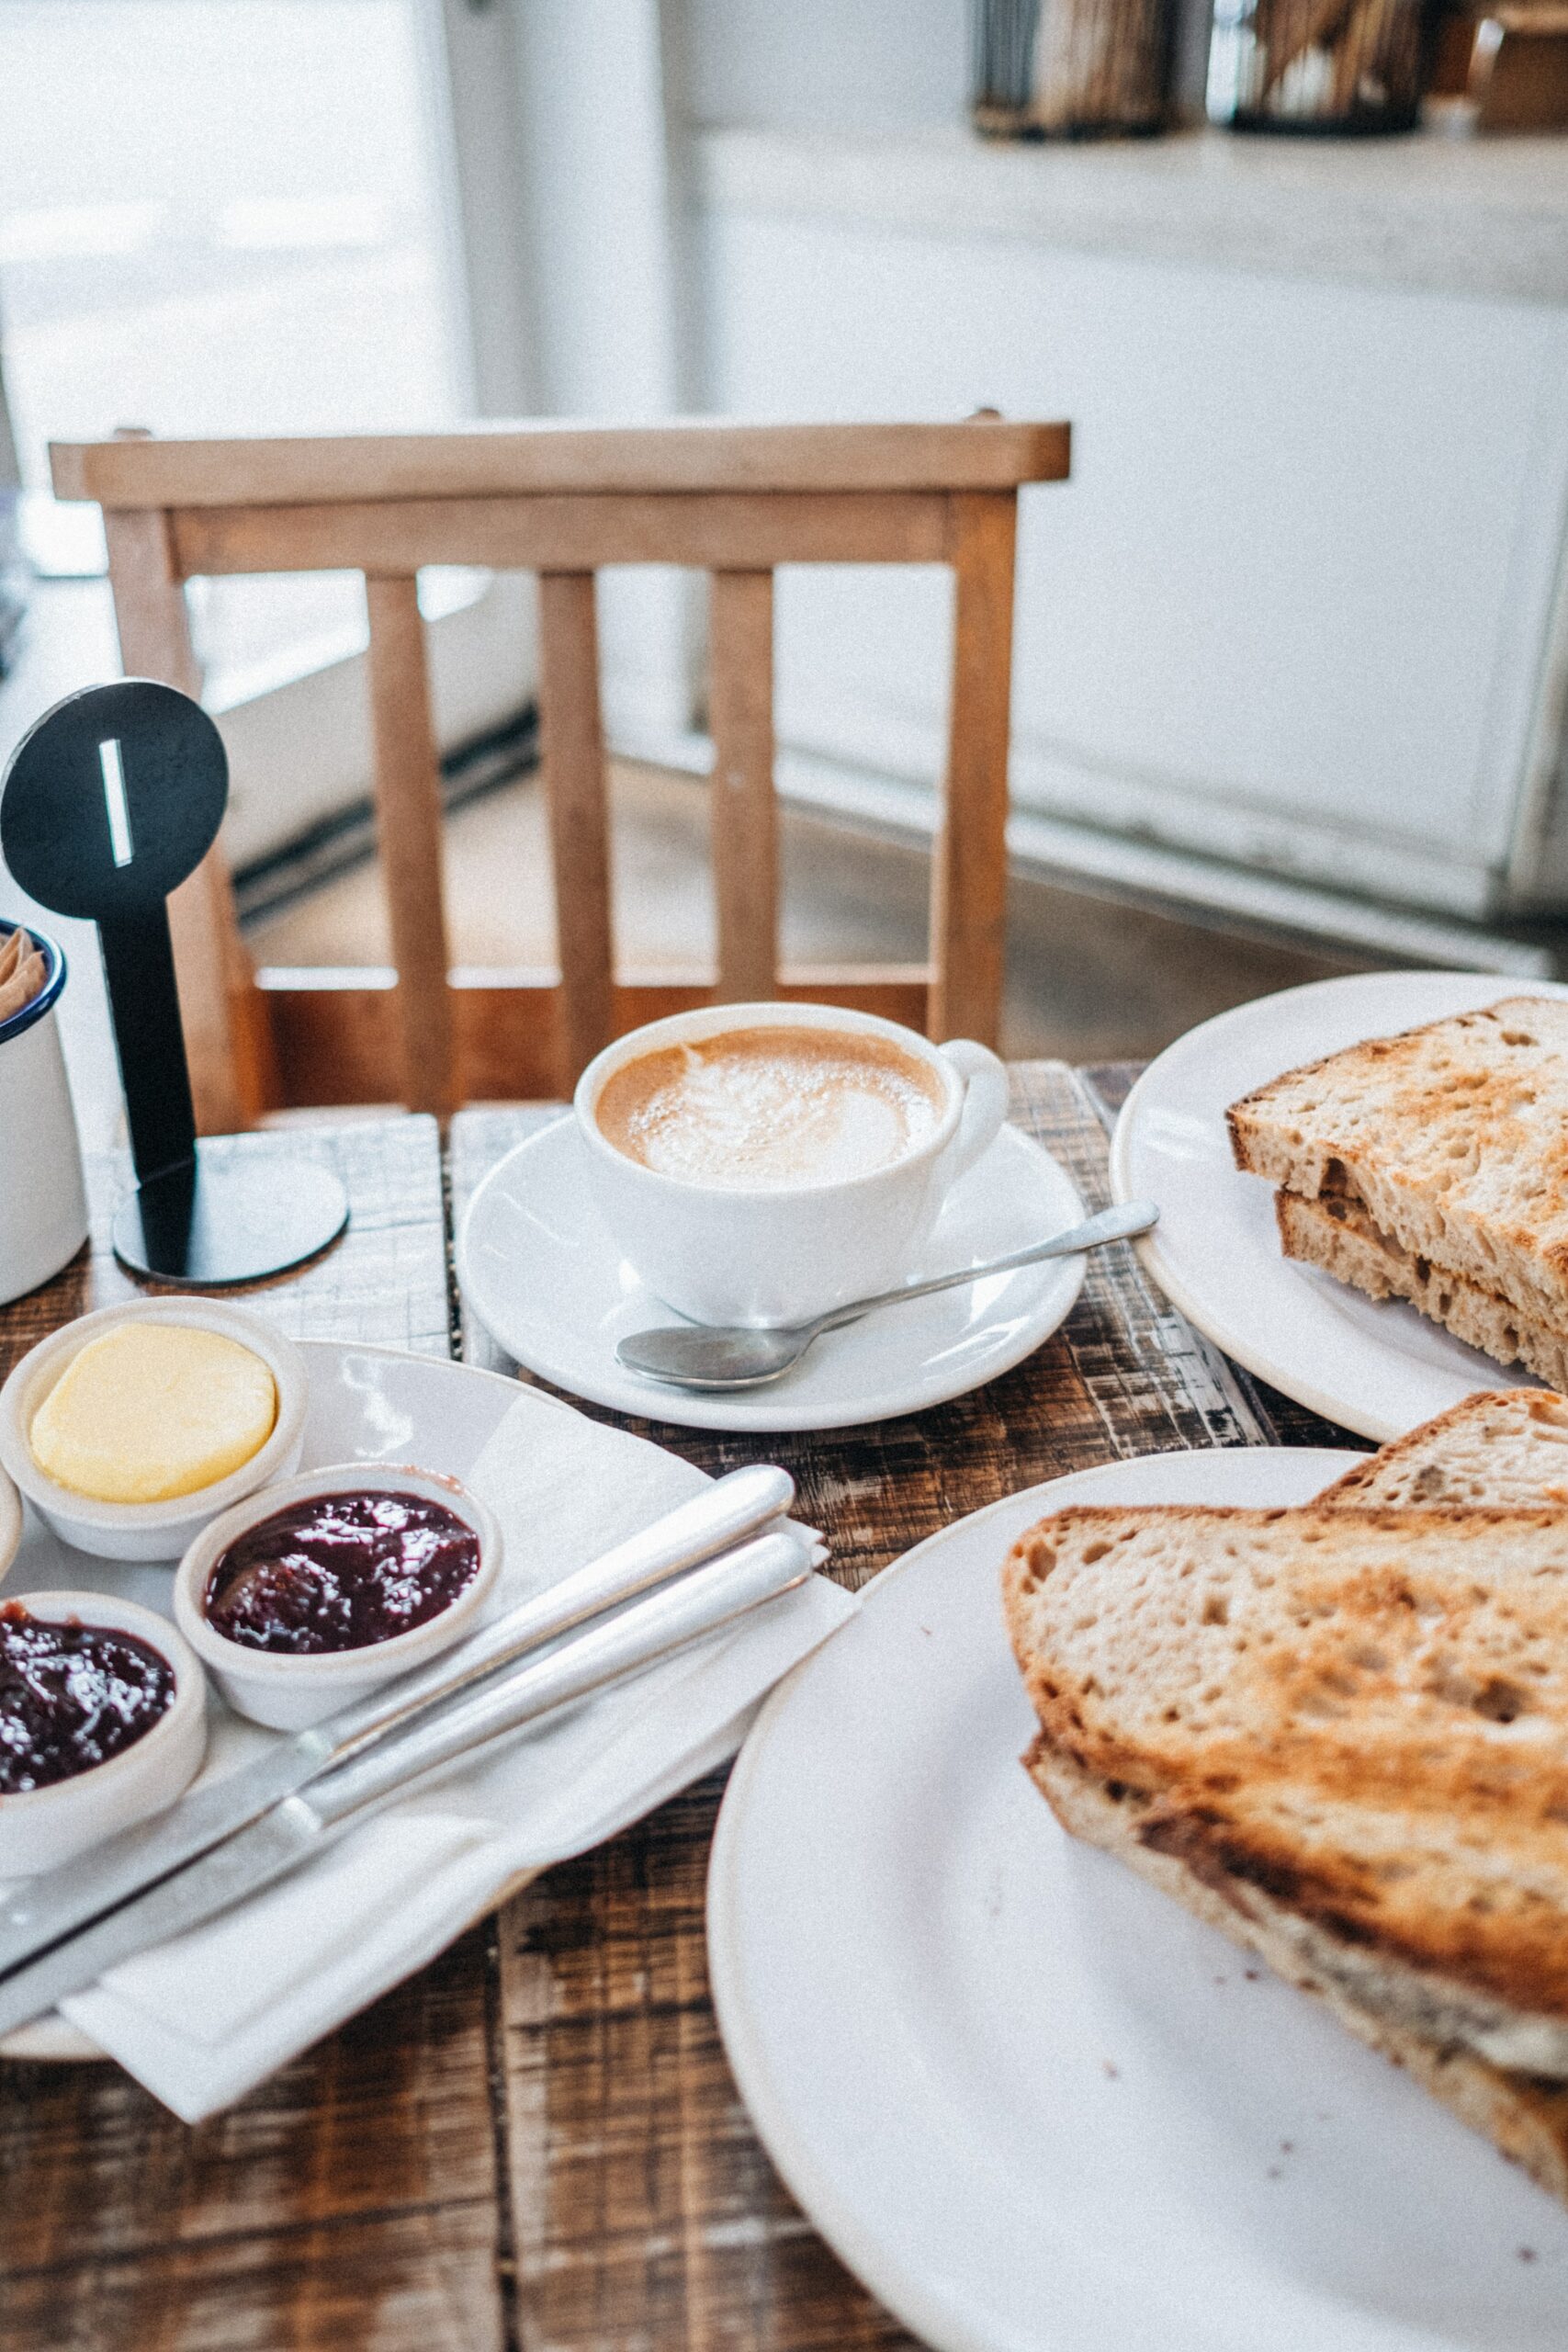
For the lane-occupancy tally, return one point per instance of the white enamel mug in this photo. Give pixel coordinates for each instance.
(724, 1254)
(43, 1203)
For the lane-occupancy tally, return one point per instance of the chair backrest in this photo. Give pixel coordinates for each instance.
(561, 501)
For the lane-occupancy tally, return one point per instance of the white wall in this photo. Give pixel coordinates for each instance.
(612, 339)
(1281, 610)
(1293, 609)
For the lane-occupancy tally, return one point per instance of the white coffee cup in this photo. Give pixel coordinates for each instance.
(43, 1203)
(780, 1255)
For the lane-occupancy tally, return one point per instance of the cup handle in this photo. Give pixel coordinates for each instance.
(985, 1102)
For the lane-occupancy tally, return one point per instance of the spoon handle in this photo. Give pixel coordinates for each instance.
(1119, 1223)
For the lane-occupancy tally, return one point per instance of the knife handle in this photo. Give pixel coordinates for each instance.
(723, 1515)
(672, 1618)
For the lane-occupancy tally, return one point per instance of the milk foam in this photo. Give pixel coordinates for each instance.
(768, 1108)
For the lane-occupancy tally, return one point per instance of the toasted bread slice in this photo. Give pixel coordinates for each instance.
(1454, 1138)
(1505, 1448)
(1339, 1236)
(1351, 1725)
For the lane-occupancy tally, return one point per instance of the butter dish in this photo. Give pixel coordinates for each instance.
(148, 1530)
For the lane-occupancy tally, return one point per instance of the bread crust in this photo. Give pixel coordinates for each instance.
(1498, 1446)
(1452, 1136)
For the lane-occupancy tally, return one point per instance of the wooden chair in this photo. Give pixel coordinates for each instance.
(561, 501)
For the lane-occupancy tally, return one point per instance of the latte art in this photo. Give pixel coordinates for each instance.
(767, 1109)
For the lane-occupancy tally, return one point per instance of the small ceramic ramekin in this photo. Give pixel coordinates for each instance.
(287, 1692)
(42, 1828)
(149, 1531)
(10, 1524)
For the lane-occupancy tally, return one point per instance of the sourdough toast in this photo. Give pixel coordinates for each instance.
(1220, 1695)
(1452, 1138)
(1351, 1724)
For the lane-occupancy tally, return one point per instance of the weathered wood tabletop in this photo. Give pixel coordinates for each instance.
(536, 2142)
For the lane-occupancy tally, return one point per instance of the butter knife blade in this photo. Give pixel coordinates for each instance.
(39, 1912)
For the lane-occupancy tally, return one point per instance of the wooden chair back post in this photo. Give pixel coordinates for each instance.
(745, 811)
(406, 784)
(227, 1038)
(969, 868)
(562, 501)
(577, 804)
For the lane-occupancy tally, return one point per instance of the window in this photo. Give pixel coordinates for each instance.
(222, 216)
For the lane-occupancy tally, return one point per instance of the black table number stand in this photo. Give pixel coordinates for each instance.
(110, 801)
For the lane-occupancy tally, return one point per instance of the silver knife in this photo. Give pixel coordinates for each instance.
(37, 1912)
(467, 1729)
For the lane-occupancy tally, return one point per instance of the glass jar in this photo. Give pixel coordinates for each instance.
(1071, 69)
(1323, 65)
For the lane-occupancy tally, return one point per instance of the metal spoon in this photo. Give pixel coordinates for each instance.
(706, 1355)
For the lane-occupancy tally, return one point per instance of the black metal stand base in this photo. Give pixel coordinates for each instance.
(216, 1221)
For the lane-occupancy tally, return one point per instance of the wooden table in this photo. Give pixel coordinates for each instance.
(536, 2142)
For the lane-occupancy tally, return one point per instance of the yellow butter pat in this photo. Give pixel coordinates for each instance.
(152, 1410)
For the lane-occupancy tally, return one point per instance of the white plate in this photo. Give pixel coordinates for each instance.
(1215, 1253)
(538, 1267)
(366, 1404)
(1028, 2100)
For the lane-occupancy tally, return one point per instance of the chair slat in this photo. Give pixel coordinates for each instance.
(745, 815)
(555, 534)
(408, 819)
(573, 750)
(969, 870)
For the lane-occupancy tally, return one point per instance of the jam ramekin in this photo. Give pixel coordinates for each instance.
(42, 1828)
(287, 1691)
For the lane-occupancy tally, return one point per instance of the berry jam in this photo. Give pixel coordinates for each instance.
(72, 1696)
(340, 1572)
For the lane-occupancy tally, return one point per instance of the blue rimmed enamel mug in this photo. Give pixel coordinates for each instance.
(43, 1203)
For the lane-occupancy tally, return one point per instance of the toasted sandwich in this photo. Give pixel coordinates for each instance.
(1341, 1734)
(1433, 1167)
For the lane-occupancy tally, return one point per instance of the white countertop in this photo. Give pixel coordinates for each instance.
(1465, 216)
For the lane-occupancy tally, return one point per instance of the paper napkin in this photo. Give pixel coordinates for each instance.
(204, 2018)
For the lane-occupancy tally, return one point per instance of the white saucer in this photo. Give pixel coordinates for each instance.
(1377, 1367)
(1030, 2100)
(538, 1267)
